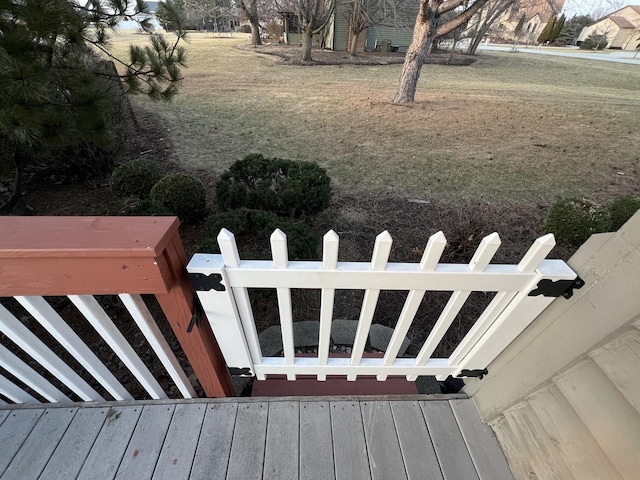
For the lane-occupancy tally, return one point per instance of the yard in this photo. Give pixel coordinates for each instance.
(509, 128)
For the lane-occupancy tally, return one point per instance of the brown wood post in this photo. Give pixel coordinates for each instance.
(199, 345)
(111, 255)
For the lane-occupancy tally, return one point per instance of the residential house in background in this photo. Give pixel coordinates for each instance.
(395, 32)
(621, 28)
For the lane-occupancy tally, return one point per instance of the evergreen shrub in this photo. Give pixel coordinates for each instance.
(252, 230)
(136, 178)
(573, 221)
(621, 210)
(594, 42)
(285, 187)
(183, 195)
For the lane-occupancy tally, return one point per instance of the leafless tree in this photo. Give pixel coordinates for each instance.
(481, 24)
(312, 16)
(426, 29)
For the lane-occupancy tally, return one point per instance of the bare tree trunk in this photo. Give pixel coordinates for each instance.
(473, 46)
(423, 35)
(255, 29)
(307, 42)
(354, 43)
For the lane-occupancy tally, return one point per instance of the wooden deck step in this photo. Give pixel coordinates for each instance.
(611, 419)
(570, 437)
(620, 361)
(536, 454)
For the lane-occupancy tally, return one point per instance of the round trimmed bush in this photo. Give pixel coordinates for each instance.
(136, 178)
(574, 221)
(183, 195)
(621, 210)
(252, 230)
(285, 187)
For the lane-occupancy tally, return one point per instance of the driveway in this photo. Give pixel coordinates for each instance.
(617, 56)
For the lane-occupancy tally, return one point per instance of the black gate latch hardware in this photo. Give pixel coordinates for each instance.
(204, 283)
(198, 311)
(240, 372)
(549, 288)
(474, 373)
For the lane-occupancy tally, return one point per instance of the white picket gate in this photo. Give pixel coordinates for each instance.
(522, 292)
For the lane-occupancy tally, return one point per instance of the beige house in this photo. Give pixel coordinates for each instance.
(537, 14)
(622, 28)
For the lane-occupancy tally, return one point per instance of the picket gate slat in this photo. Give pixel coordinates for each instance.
(511, 284)
(231, 257)
(331, 243)
(379, 259)
(432, 253)
(534, 256)
(281, 261)
(485, 252)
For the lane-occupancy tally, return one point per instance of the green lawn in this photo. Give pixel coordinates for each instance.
(512, 128)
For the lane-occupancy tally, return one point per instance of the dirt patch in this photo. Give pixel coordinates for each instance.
(290, 55)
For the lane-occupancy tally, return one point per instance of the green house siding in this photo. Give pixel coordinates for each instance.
(400, 37)
(341, 28)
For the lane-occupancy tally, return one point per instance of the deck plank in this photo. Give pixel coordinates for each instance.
(4, 413)
(38, 447)
(214, 446)
(141, 456)
(108, 449)
(316, 443)
(415, 442)
(247, 449)
(349, 446)
(13, 432)
(68, 457)
(283, 433)
(481, 442)
(383, 448)
(180, 443)
(453, 456)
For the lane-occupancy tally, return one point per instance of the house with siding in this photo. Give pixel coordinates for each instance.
(397, 29)
(621, 28)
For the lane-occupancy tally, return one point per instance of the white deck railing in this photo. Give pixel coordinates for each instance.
(66, 338)
(224, 296)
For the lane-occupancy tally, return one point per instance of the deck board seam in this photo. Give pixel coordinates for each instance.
(433, 444)
(104, 422)
(22, 443)
(164, 440)
(53, 452)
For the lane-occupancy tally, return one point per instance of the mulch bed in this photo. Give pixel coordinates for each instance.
(291, 54)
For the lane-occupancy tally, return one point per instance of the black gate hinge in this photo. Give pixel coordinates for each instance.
(198, 311)
(204, 283)
(549, 288)
(479, 374)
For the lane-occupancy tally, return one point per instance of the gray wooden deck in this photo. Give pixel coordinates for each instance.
(243, 439)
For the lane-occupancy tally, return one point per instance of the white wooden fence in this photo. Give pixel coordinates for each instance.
(66, 338)
(522, 292)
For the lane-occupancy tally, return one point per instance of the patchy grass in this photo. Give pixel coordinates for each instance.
(509, 128)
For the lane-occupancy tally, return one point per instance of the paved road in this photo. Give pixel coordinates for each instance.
(616, 56)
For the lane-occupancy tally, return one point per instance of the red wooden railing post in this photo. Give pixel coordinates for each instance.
(199, 344)
(111, 255)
